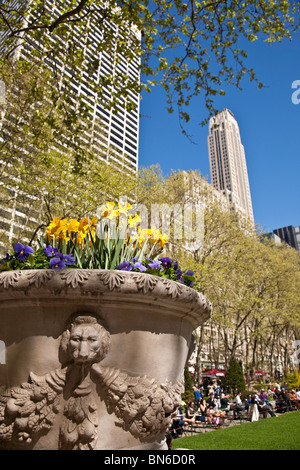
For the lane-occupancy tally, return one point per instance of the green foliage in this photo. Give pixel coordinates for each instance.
(47, 167)
(293, 380)
(234, 379)
(36, 260)
(187, 48)
(188, 394)
(281, 433)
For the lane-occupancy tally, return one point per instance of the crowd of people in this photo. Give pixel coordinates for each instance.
(218, 405)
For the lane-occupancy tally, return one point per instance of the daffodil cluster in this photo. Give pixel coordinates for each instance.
(129, 225)
(115, 240)
(64, 230)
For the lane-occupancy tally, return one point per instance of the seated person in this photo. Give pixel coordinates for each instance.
(203, 406)
(293, 398)
(265, 409)
(281, 406)
(211, 402)
(180, 421)
(286, 396)
(191, 412)
(225, 403)
(263, 396)
(212, 410)
(239, 406)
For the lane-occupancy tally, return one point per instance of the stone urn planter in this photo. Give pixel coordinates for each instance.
(92, 359)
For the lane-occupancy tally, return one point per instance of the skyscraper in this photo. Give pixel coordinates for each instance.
(227, 160)
(111, 136)
(119, 132)
(289, 235)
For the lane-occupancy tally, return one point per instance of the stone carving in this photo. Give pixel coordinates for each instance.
(112, 279)
(145, 283)
(31, 408)
(9, 278)
(173, 288)
(142, 406)
(75, 277)
(40, 277)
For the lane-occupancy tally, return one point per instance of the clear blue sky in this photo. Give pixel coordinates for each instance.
(270, 131)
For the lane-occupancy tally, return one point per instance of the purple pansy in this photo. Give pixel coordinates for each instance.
(139, 265)
(155, 264)
(166, 262)
(189, 273)
(57, 263)
(22, 251)
(8, 257)
(125, 266)
(50, 251)
(67, 259)
(179, 273)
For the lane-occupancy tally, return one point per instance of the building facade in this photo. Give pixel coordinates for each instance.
(112, 134)
(120, 131)
(289, 235)
(227, 160)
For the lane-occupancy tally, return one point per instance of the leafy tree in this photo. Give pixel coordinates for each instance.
(190, 49)
(252, 283)
(47, 166)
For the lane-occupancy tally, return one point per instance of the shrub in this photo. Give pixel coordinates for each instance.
(234, 379)
(293, 380)
(188, 394)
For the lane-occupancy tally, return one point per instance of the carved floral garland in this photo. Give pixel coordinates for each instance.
(141, 405)
(112, 280)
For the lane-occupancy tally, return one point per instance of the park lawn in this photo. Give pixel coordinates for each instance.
(281, 433)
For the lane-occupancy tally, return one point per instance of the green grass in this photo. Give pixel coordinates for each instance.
(281, 433)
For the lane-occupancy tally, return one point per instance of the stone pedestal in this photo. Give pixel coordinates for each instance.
(94, 359)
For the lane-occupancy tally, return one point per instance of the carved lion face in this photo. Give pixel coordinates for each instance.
(84, 344)
(85, 341)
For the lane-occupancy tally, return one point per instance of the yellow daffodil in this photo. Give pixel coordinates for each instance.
(73, 225)
(154, 235)
(124, 210)
(113, 214)
(54, 226)
(133, 221)
(106, 210)
(163, 239)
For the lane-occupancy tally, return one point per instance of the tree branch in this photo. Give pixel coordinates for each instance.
(67, 15)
